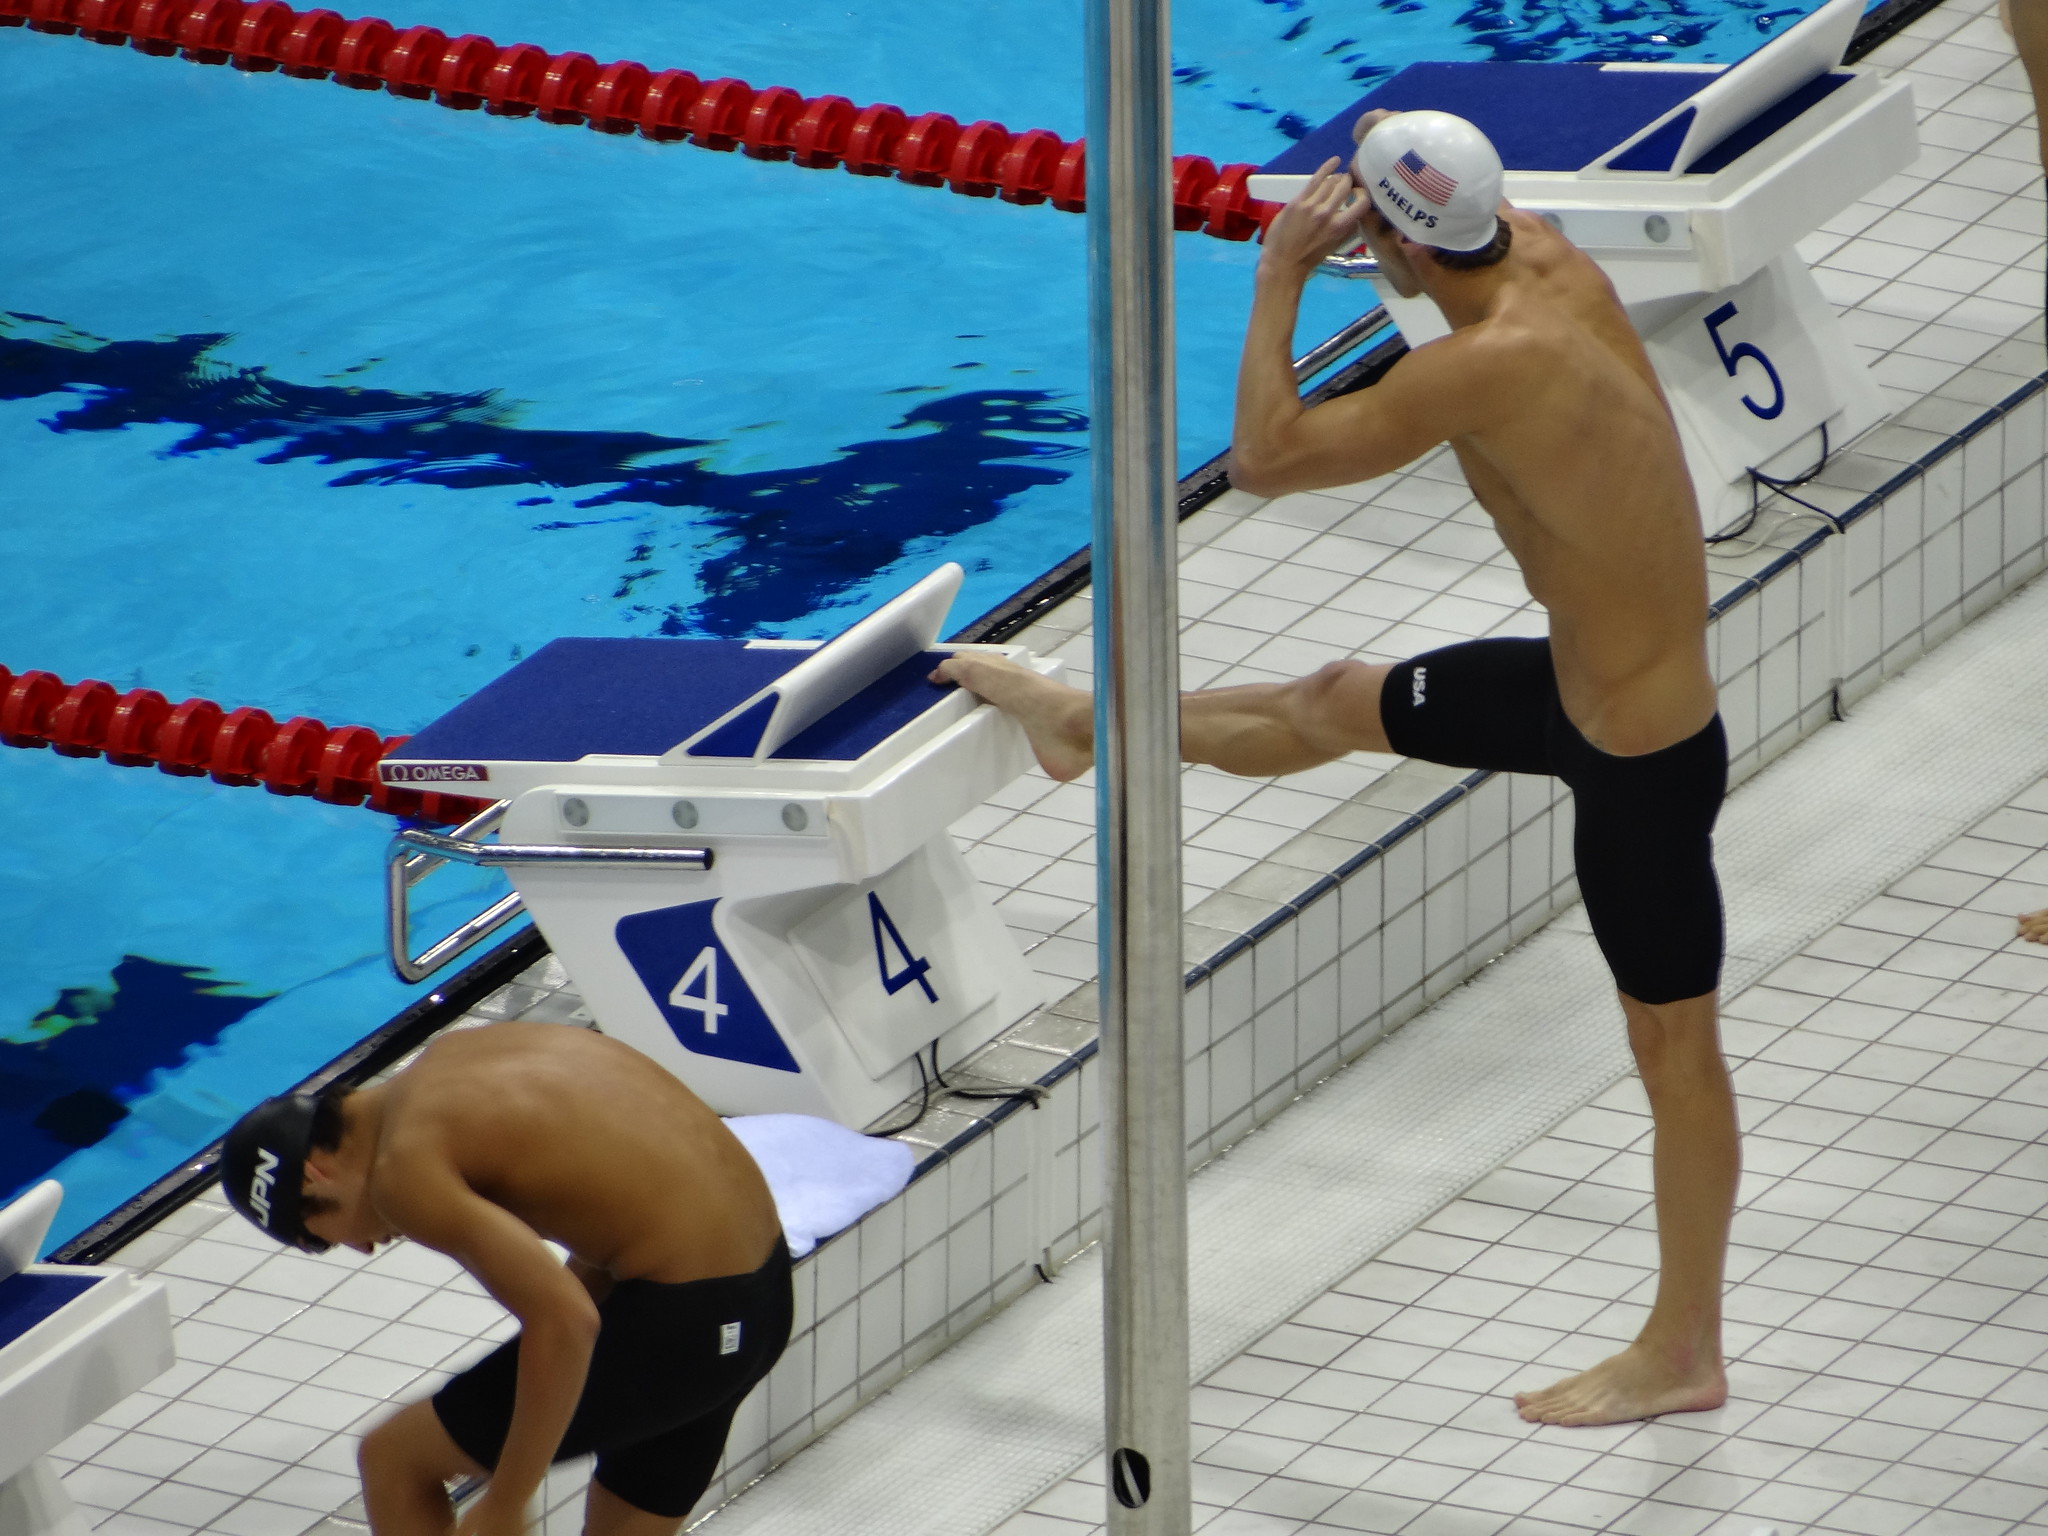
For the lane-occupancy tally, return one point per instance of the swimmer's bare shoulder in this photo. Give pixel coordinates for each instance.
(585, 1140)
(1586, 427)
(1557, 308)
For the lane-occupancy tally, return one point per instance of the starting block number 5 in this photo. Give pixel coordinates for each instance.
(1744, 371)
(1730, 356)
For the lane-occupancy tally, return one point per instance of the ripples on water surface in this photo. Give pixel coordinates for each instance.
(338, 404)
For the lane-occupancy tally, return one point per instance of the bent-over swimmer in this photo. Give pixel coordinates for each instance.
(675, 1300)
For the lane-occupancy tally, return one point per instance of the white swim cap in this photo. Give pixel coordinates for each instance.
(1435, 177)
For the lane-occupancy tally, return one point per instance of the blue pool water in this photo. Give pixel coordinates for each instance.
(338, 404)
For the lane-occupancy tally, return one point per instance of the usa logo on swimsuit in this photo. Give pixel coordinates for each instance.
(1424, 177)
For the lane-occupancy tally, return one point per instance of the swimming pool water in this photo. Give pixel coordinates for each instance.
(338, 404)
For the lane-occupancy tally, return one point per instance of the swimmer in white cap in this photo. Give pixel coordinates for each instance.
(676, 1299)
(1546, 396)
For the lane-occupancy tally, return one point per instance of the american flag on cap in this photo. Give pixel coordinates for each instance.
(1424, 177)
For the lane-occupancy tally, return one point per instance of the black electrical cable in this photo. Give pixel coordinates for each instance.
(936, 1079)
(1783, 487)
(1031, 1091)
(924, 1098)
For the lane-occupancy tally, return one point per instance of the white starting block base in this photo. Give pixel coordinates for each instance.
(814, 1001)
(1690, 185)
(74, 1341)
(830, 933)
(33, 1503)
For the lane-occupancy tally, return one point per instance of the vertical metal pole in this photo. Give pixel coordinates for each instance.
(1137, 732)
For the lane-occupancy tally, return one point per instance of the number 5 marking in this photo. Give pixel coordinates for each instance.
(1730, 356)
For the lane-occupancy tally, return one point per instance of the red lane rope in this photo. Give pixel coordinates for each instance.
(143, 729)
(981, 159)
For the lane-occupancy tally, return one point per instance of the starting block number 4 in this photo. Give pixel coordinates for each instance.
(702, 973)
(701, 992)
(914, 968)
(894, 960)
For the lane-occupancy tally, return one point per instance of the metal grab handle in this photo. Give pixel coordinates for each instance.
(1360, 263)
(1324, 353)
(443, 847)
(415, 854)
(405, 867)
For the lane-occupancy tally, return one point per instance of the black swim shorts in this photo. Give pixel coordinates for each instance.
(671, 1365)
(1644, 840)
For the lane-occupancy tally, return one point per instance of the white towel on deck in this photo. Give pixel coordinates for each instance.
(823, 1176)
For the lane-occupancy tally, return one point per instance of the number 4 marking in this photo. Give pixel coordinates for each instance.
(1730, 356)
(913, 968)
(704, 968)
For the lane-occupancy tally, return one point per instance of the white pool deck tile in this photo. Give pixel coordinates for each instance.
(1887, 1312)
(1888, 1253)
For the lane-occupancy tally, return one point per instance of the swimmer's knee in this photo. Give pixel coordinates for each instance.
(1339, 705)
(387, 1451)
(1673, 1037)
(1332, 674)
(411, 1447)
(380, 1453)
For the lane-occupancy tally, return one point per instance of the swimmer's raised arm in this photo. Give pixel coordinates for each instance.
(1439, 391)
(422, 1193)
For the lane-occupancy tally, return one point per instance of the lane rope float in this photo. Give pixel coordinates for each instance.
(245, 746)
(367, 53)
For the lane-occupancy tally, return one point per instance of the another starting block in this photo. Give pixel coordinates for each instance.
(74, 1341)
(739, 850)
(1689, 184)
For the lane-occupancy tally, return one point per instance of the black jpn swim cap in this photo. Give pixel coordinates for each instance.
(263, 1164)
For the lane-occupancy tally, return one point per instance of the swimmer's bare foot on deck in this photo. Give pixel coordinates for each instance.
(1058, 721)
(2034, 926)
(1639, 1383)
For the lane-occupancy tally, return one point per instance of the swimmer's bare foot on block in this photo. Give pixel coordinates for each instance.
(2034, 926)
(1639, 1383)
(1058, 721)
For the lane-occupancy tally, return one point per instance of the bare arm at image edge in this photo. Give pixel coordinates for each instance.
(2027, 21)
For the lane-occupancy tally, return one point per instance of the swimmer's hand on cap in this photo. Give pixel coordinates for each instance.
(1367, 121)
(1370, 220)
(1322, 219)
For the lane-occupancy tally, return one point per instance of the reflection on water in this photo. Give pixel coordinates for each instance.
(66, 1078)
(783, 543)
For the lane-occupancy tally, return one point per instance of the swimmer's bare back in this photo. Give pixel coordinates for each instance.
(1588, 485)
(584, 1140)
(1551, 405)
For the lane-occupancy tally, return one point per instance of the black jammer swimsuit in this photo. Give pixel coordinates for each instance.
(1644, 827)
(670, 1368)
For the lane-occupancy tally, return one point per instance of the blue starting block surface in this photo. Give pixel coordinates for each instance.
(1541, 117)
(28, 1299)
(639, 698)
(1554, 117)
